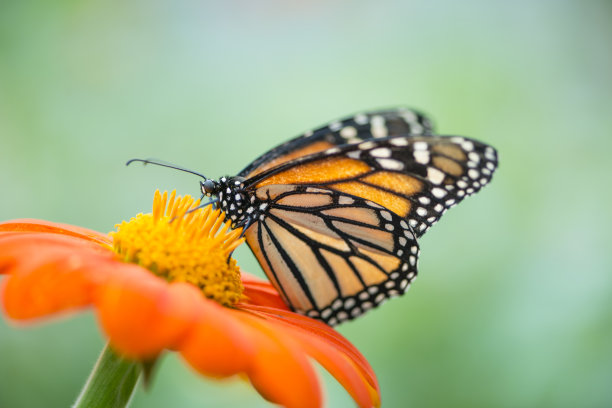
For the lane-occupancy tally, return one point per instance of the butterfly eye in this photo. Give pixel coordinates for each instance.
(208, 186)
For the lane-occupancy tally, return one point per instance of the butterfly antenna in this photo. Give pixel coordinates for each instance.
(164, 164)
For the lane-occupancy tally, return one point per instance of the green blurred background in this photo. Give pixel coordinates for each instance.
(513, 304)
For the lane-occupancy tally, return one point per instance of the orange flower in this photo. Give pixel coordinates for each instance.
(163, 281)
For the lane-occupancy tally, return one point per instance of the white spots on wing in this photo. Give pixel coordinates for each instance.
(399, 141)
(360, 119)
(431, 220)
(457, 139)
(333, 150)
(467, 146)
(250, 210)
(229, 190)
(337, 304)
(349, 303)
(421, 156)
(389, 227)
(373, 290)
(408, 115)
(381, 152)
(335, 126)
(366, 145)
(434, 175)
(490, 154)
(377, 126)
(348, 132)
(414, 249)
(373, 204)
(419, 146)
(403, 224)
(425, 200)
(263, 206)
(460, 193)
(450, 202)
(402, 241)
(490, 166)
(386, 215)
(409, 235)
(412, 260)
(390, 164)
(413, 223)
(355, 154)
(421, 211)
(438, 208)
(474, 174)
(326, 313)
(403, 284)
(309, 133)
(344, 200)
(462, 184)
(416, 128)
(475, 157)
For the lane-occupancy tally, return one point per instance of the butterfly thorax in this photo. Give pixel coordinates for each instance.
(240, 207)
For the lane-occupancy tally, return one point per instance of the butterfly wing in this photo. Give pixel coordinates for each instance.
(416, 177)
(353, 129)
(332, 255)
(325, 211)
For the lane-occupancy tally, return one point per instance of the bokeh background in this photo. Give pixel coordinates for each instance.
(513, 304)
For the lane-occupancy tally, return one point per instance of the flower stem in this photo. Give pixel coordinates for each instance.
(111, 382)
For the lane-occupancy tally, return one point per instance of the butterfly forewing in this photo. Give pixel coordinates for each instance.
(332, 255)
(353, 129)
(416, 177)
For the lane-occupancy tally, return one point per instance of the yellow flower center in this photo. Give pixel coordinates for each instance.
(182, 244)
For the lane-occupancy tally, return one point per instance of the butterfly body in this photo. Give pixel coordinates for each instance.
(333, 216)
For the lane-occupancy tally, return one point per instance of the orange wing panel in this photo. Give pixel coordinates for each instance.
(310, 149)
(320, 171)
(398, 205)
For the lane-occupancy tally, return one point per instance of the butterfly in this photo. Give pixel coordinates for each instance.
(334, 215)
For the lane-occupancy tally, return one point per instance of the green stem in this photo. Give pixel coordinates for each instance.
(111, 382)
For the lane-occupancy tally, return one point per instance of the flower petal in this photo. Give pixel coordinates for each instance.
(280, 370)
(260, 292)
(31, 225)
(50, 273)
(219, 345)
(143, 315)
(331, 350)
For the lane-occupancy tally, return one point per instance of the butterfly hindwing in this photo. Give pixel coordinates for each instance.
(352, 129)
(333, 255)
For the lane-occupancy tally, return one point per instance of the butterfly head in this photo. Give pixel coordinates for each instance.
(210, 187)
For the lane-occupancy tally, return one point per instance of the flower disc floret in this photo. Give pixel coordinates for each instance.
(183, 243)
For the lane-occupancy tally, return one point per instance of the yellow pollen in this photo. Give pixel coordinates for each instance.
(182, 244)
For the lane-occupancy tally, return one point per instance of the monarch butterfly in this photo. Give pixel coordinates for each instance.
(333, 216)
